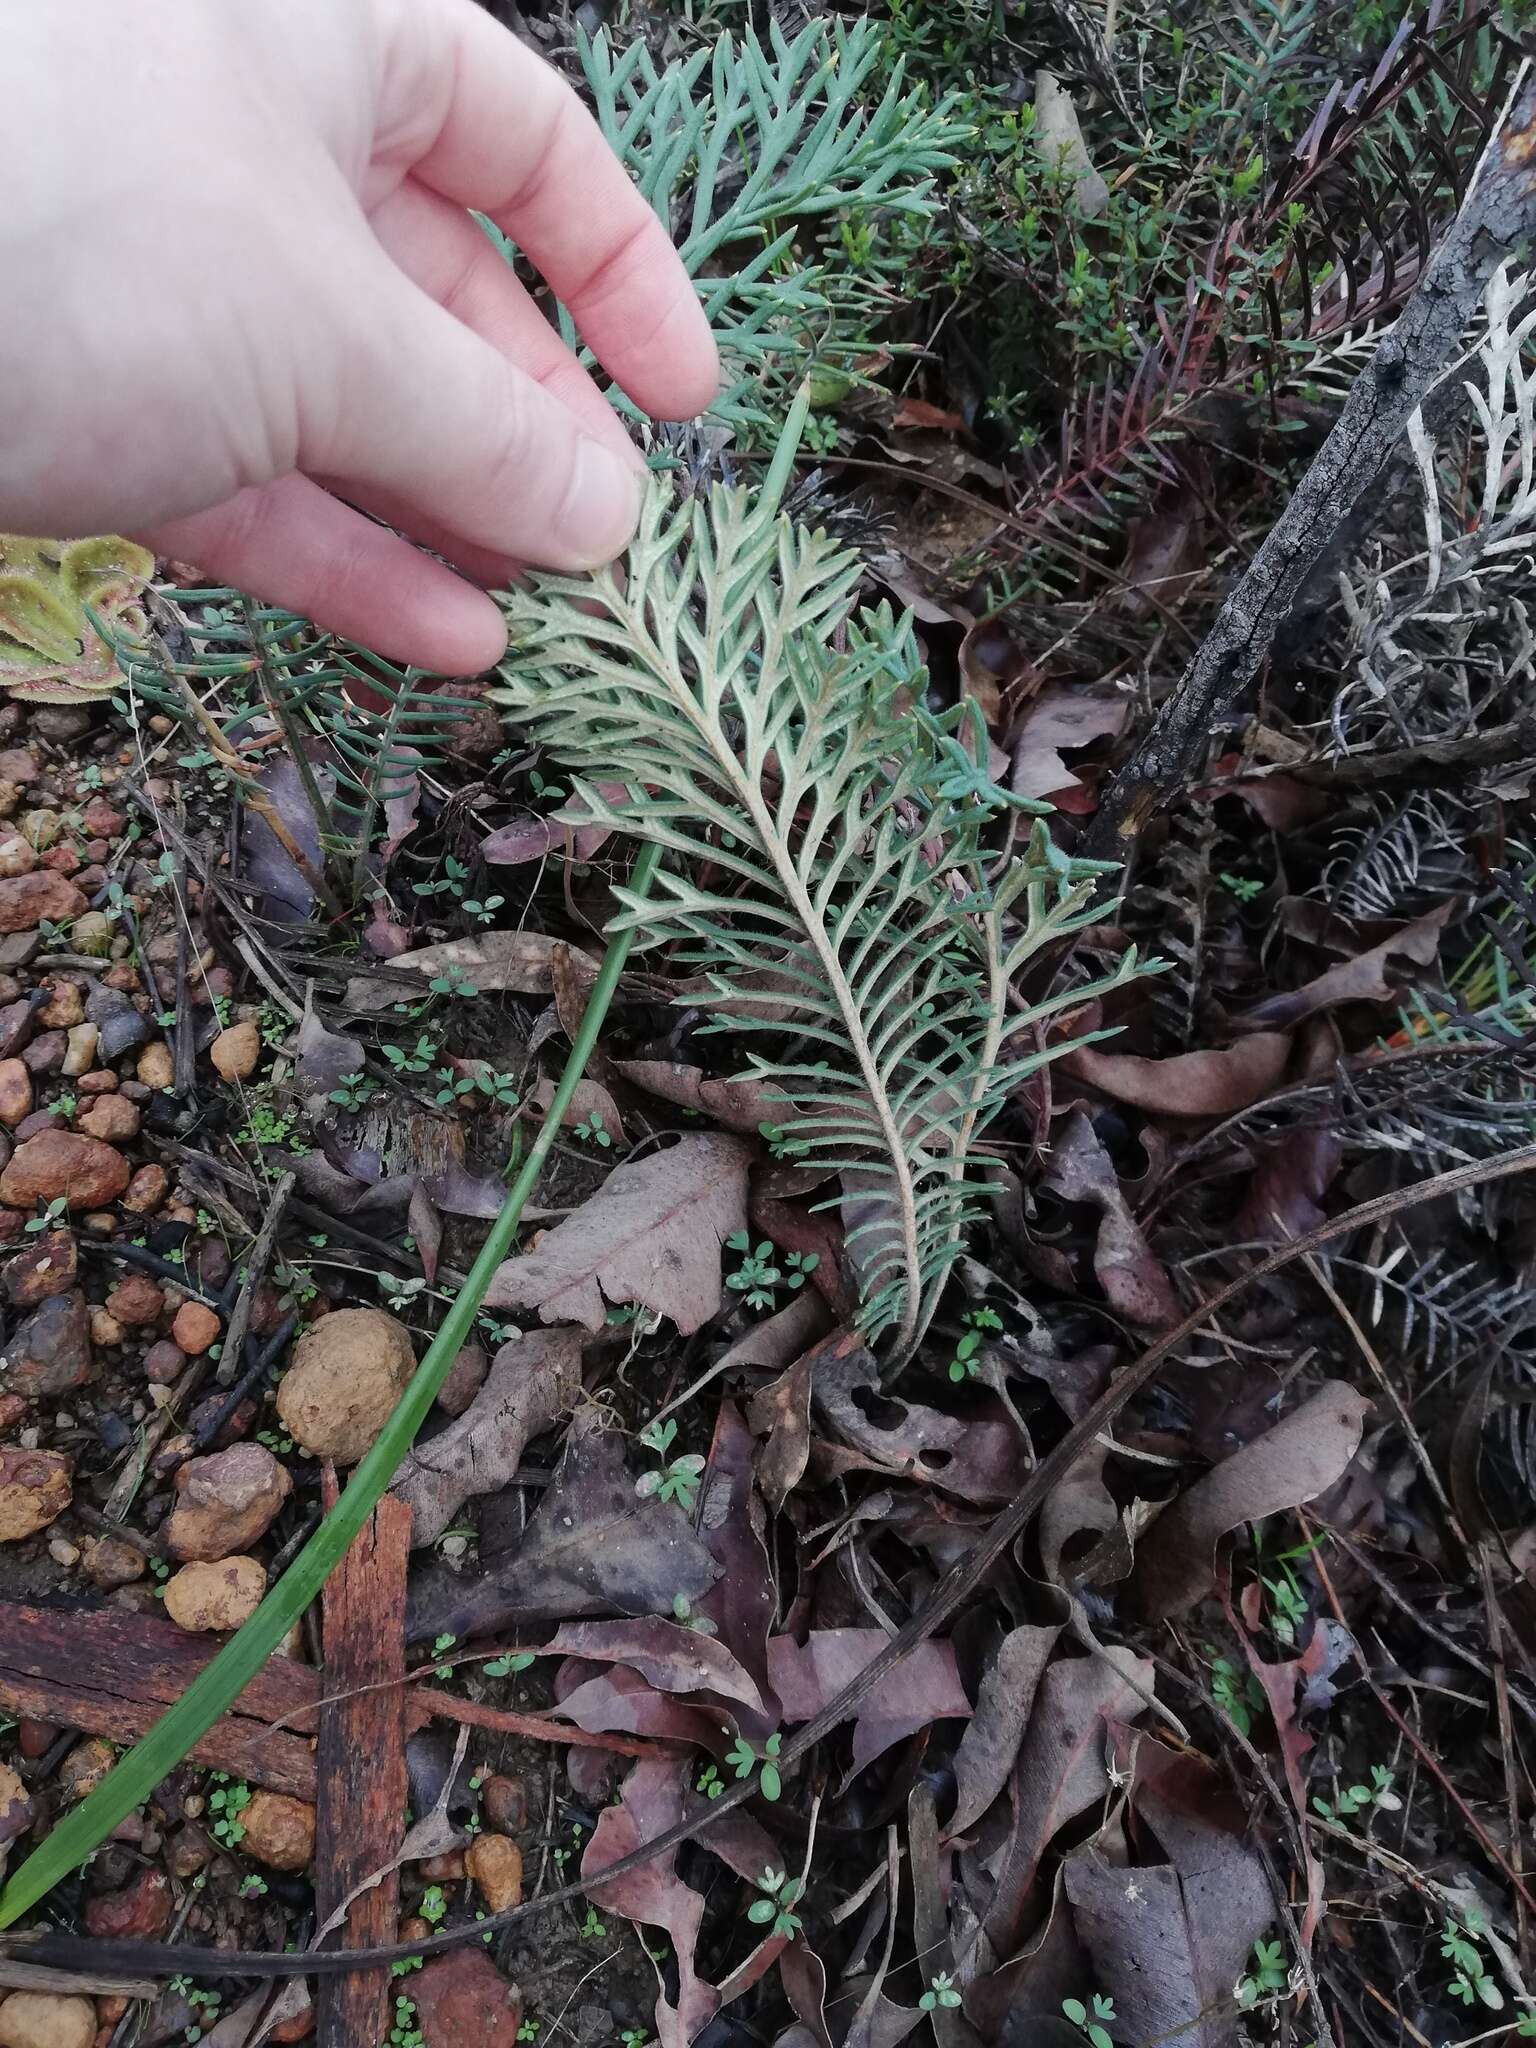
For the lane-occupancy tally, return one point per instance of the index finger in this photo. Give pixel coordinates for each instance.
(513, 141)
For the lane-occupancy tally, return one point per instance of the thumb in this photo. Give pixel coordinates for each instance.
(440, 421)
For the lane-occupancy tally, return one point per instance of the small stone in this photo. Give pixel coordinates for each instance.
(85, 1767)
(267, 1310)
(45, 1054)
(35, 1489)
(301, 2020)
(112, 1118)
(101, 819)
(496, 1865)
(465, 1378)
(64, 1553)
(505, 1800)
(236, 1051)
(222, 1595)
(110, 1563)
(120, 1022)
(40, 828)
(463, 1997)
(19, 765)
(414, 1929)
(448, 1868)
(16, 856)
(136, 1300)
(279, 1831)
(124, 978)
(39, 1121)
(188, 1851)
(45, 1267)
(16, 1810)
(64, 1008)
(63, 860)
(50, 1353)
(67, 1166)
(212, 985)
(46, 2019)
(35, 1738)
(141, 1911)
(235, 1427)
(12, 1409)
(147, 1191)
(156, 1067)
(99, 1081)
(106, 1330)
(80, 1050)
(209, 1261)
(348, 1371)
(15, 1092)
(226, 1502)
(25, 900)
(91, 934)
(195, 1328)
(164, 1363)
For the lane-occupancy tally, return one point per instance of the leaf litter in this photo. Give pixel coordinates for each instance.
(1242, 1661)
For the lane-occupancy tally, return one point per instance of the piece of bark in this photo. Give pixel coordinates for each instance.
(111, 1673)
(108, 1672)
(1418, 354)
(360, 1765)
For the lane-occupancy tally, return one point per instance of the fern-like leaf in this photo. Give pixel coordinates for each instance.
(830, 871)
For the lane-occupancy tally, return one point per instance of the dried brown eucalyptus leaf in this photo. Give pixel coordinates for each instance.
(651, 1234)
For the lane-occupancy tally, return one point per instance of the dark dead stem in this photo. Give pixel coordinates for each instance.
(1422, 351)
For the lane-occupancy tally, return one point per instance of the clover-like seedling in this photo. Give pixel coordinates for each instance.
(744, 1760)
(775, 1908)
(941, 1992)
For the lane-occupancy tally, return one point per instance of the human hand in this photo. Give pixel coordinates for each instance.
(242, 286)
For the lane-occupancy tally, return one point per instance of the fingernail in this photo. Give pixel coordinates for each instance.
(599, 509)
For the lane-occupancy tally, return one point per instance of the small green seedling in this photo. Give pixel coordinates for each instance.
(1471, 1983)
(505, 1666)
(440, 1644)
(353, 1091)
(1237, 1694)
(411, 1059)
(682, 1611)
(226, 1802)
(592, 1928)
(405, 2033)
(56, 1212)
(676, 1478)
(757, 1275)
(1267, 1975)
(975, 1321)
(1092, 2024)
(941, 1992)
(711, 1784)
(434, 1906)
(775, 1909)
(1353, 1799)
(744, 1760)
(593, 1131)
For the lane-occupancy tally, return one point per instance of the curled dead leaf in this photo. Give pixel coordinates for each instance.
(1188, 1084)
(1290, 1464)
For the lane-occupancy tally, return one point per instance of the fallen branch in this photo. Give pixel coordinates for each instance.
(951, 1593)
(1420, 352)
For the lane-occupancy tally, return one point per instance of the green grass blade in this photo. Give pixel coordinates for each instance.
(137, 1774)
